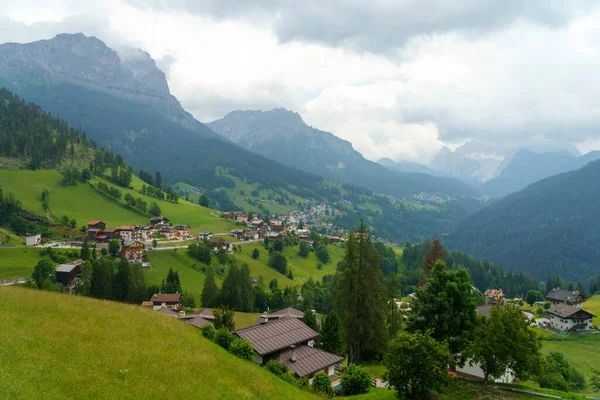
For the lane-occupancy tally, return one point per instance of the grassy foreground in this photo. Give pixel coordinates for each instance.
(56, 346)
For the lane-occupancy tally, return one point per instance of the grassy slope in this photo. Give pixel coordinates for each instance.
(84, 203)
(18, 261)
(58, 346)
(592, 305)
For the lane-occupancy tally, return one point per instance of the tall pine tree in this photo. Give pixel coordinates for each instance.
(333, 335)
(360, 298)
(210, 291)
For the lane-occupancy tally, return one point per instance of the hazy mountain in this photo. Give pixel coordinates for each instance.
(282, 135)
(126, 105)
(407, 166)
(527, 167)
(551, 226)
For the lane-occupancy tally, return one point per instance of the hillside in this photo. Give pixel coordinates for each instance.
(119, 351)
(109, 96)
(551, 226)
(282, 135)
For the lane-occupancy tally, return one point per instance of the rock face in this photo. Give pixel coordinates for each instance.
(88, 62)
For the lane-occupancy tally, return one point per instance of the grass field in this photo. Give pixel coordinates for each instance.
(56, 346)
(85, 203)
(7, 238)
(18, 261)
(592, 305)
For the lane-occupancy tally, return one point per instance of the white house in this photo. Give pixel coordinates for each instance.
(33, 240)
(473, 370)
(567, 318)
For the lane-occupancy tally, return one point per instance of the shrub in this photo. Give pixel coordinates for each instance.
(208, 331)
(356, 380)
(556, 373)
(255, 254)
(281, 370)
(322, 385)
(223, 338)
(242, 349)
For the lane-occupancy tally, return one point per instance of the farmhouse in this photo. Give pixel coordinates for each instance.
(132, 250)
(171, 301)
(289, 341)
(570, 297)
(281, 314)
(67, 274)
(204, 235)
(219, 244)
(156, 222)
(493, 296)
(566, 318)
(182, 231)
(168, 232)
(238, 233)
(33, 240)
(94, 227)
(124, 233)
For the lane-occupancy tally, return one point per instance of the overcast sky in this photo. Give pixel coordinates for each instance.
(398, 78)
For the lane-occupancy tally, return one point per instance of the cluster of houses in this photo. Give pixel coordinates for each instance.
(281, 336)
(274, 229)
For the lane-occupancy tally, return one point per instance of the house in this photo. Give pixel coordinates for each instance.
(238, 233)
(67, 274)
(228, 215)
(105, 235)
(484, 310)
(171, 301)
(277, 226)
(567, 318)
(204, 236)
(94, 227)
(493, 296)
(472, 370)
(33, 240)
(262, 232)
(273, 236)
(132, 250)
(252, 235)
(242, 219)
(182, 231)
(558, 296)
(124, 233)
(303, 234)
(289, 341)
(255, 224)
(335, 239)
(145, 232)
(168, 232)
(156, 222)
(147, 304)
(219, 243)
(203, 318)
(281, 314)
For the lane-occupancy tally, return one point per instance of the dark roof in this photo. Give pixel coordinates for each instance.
(278, 335)
(66, 267)
(127, 243)
(168, 312)
(207, 314)
(166, 298)
(286, 313)
(199, 322)
(567, 296)
(308, 360)
(567, 311)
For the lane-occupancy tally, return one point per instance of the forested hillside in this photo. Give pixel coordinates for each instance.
(552, 226)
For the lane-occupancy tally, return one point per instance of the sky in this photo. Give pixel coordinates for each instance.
(397, 78)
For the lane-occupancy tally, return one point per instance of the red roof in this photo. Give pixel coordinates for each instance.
(124, 228)
(95, 222)
(147, 304)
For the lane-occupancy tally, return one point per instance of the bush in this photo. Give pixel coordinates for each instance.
(303, 249)
(356, 380)
(279, 262)
(556, 373)
(208, 331)
(255, 254)
(322, 385)
(223, 338)
(539, 311)
(242, 348)
(281, 370)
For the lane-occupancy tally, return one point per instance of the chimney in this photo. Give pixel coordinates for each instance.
(264, 318)
(293, 356)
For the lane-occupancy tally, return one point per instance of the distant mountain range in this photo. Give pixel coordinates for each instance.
(283, 136)
(497, 174)
(552, 226)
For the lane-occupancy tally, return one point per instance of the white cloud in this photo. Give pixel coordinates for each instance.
(527, 78)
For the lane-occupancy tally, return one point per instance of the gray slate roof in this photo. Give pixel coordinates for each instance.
(166, 298)
(308, 360)
(567, 311)
(277, 335)
(199, 322)
(168, 312)
(65, 267)
(567, 296)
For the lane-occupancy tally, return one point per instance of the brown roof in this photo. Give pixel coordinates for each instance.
(125, 228)
(278, 335)
(94, 222)
(207, 314)
(286, 313)
(567, 311)
(566, 296)
(199, 322)
(147, 304)
(484, 310)
(308, 360)
(494, 293)
(166, 298)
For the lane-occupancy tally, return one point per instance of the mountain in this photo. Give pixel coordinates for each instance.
(125, 104)
(282, 135)
(552, 226)
(406, 166)
(527, 167)
(453, 164)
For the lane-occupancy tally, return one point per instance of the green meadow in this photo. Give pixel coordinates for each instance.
(56, 346)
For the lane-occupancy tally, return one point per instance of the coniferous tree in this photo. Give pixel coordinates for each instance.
(85, 250)
(210, 291)
(333, 335)
(435, 252)
(102, 279)
(246, 290)
(310, 319)
(124, 281)
(360, 298)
